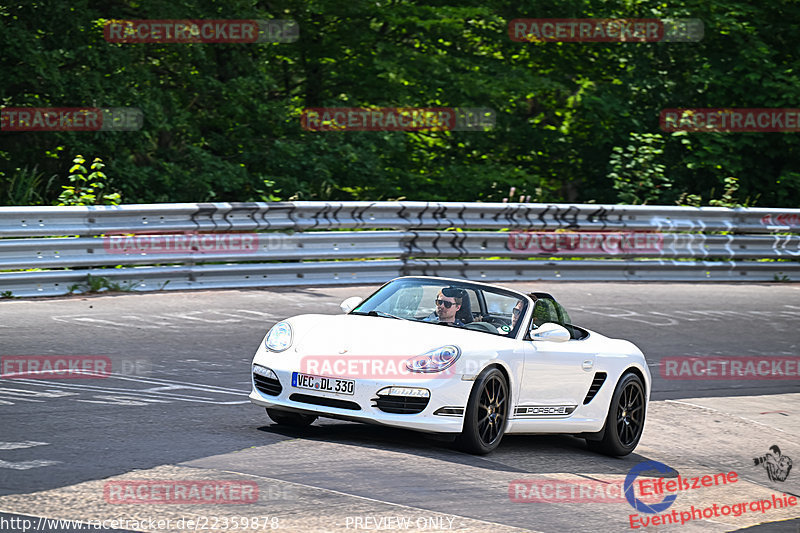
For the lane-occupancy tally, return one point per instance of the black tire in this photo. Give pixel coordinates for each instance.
(487, 413)
(625, 419)
(287, 418)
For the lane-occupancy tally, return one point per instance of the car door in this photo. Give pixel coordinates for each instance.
(556, 375)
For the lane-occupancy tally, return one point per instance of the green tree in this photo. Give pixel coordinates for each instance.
(222, 121)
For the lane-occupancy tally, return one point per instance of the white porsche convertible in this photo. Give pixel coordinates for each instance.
(453, 356)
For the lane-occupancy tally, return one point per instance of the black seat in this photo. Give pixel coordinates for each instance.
(465, 313)
(544, 311)
(548, 310)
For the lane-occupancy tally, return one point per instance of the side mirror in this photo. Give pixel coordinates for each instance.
(550, 331)
(350, 304)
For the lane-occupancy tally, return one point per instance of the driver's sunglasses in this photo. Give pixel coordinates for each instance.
(516, 311)
(447, 305)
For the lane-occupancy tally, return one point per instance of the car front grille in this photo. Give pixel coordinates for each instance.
(267, 385)
(326, 402)
(405, 405)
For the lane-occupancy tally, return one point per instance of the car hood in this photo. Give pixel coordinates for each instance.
(372, 335)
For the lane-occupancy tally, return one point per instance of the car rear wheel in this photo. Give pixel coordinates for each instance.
(487, 413)
(286, 418)
(625, 419)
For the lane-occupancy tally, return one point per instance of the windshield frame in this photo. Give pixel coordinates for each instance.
(480, 288)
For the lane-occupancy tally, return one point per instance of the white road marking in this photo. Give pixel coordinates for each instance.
(21, 445)
(149, 322)
(171, 320)
(656, 318)
(159, 393)
(681, 402)
(122, 400)
(24, 465)
(616, 312)
(27, 465)
(375, 500)
(258, 314)
(162, 389)
(19, 395)
(190, 316)
(92, 321)
(24, 395)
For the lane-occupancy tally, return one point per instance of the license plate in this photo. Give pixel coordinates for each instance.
(318, 383)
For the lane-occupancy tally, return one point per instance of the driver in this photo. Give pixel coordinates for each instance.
(448, 302)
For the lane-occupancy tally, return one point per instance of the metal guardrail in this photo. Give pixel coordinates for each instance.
(54, 250)
(86, 252)
(303, 216)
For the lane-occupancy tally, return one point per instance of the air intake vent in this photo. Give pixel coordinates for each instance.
(405, 405)
(326, 402)
(597, 382)
(267, 385)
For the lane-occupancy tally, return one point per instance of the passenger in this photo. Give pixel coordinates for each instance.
(516, 314)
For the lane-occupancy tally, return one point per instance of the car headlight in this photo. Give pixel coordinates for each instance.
(434, 360)
(279, 337)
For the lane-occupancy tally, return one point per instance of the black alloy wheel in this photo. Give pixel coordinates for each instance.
(630, 414)
(487, 413)
(625, 419)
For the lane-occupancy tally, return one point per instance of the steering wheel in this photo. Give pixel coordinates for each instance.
(481, 326)
(497, 321)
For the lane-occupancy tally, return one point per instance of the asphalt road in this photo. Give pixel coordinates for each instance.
(180, 363)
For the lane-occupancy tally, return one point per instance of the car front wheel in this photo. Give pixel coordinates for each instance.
(487, 413)
(287, 418)
(625, 419)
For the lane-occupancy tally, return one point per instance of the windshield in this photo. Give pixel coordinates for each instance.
(448, 303)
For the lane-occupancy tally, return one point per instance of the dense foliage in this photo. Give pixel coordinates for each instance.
(575, 121)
